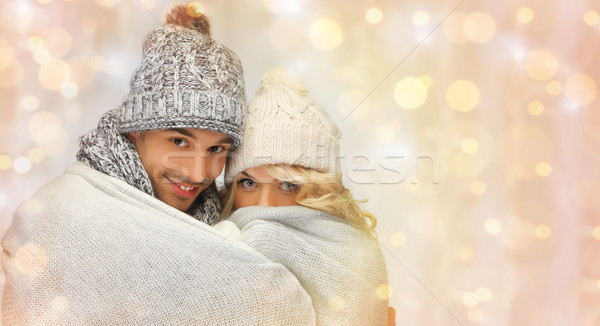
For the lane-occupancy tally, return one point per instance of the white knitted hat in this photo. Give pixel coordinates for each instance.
(284, 126)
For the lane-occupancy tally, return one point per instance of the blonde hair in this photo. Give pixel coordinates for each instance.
(318, 190)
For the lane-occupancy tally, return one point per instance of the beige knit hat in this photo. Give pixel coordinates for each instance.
(284, 126)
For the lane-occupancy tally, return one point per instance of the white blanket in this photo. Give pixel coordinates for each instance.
(88, 249)
(339, 266)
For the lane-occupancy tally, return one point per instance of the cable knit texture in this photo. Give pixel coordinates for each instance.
(121, 257)
(185, 80)
(284, 126)
(338, 265)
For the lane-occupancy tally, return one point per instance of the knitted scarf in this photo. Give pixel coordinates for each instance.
(106, 150)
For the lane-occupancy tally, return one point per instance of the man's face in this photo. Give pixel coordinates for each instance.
(181, 163)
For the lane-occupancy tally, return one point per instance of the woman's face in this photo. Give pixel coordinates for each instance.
(256, 187)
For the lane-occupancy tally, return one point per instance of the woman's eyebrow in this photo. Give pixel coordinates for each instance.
(248, 175)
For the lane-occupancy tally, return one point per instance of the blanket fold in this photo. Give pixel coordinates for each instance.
(338, 265)
(89, 249)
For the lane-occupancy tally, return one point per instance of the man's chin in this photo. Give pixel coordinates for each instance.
(182, 205)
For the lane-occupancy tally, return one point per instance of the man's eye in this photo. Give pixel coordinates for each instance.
(216, 149)
(179, 142)
(288, 186)
(247, 183)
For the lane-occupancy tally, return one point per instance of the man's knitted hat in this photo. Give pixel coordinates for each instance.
(284, 126)
(186, 80)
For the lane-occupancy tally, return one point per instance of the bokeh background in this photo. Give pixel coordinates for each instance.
(471, 126)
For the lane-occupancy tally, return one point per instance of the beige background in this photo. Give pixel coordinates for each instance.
(470, 126)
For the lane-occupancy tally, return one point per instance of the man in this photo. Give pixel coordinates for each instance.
(123, 237)
(183, 114)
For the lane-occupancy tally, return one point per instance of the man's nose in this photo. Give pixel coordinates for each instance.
(266, 197)
(198, 170)
(192, 169)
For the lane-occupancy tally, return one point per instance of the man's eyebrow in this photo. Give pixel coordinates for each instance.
(184, 132)
(226, 140)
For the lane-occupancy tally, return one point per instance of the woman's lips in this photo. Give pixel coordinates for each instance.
(183, 190)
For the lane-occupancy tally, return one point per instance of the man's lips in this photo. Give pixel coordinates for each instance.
(183, 190)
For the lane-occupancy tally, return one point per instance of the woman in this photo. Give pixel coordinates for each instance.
(289, 161)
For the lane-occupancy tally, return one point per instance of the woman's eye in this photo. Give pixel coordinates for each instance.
(247, 183)
(288, 186)
(179, 142)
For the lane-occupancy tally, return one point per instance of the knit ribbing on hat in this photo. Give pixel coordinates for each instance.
(284, 126)
(107, 150)
(185, 80)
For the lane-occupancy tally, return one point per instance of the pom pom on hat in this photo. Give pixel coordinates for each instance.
(189, 17)
(285, 77)
(185, 80)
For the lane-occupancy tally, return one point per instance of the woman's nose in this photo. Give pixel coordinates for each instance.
(266, 197)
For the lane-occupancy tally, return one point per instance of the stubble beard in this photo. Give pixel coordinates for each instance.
(163, 191)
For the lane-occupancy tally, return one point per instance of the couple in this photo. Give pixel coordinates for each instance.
(135, 232)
